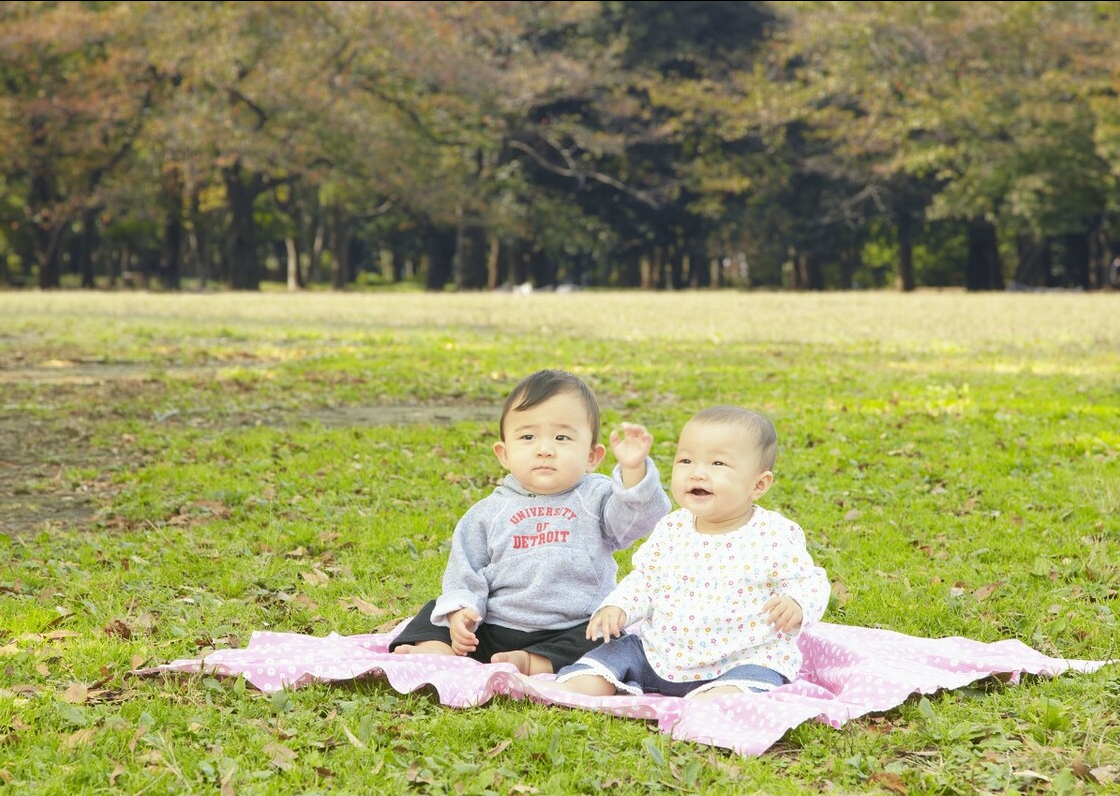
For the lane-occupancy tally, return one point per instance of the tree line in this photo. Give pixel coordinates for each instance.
(476, 145)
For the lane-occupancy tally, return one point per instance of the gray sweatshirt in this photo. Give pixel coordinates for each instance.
(543, 562)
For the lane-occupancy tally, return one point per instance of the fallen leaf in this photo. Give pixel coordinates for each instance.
(497, 750)
(984, 592)
(118, 769)
(118, 628)
(354, 740)
(852, 515)
(140, 733)
(361, 606)
(80, 738)
(57, 635)
(282, 756)
(1105, 775)
(76, 694)
(315, 577)
(304, 601)
(888, 781)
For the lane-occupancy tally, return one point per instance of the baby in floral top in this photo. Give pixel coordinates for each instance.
(722, 586)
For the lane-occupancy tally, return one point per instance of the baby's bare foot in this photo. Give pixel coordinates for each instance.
(519, 658)
(424, 648)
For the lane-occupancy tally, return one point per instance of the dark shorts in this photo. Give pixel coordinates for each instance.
(623, 663)
(561, 647)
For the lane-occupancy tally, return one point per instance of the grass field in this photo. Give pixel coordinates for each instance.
(177, 471)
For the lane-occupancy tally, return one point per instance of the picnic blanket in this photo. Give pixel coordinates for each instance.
(847, 672)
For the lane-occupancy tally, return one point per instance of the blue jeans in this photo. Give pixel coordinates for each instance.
(624, 664)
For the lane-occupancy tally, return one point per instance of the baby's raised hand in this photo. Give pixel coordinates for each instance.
(630, 444)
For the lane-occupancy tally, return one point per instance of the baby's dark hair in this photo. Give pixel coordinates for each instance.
(760, 427)
(538, 387)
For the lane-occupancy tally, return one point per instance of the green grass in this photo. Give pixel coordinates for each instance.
(177, 471)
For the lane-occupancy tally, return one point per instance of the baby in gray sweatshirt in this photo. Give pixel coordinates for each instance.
(532, 561)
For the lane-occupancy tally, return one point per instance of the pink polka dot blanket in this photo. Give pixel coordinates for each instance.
(847, 672)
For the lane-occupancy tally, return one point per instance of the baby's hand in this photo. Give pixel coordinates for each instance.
(463, 623)
(607, 622)
(783, 613)
(631, 444)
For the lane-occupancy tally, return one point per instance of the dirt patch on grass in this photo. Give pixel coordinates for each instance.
(35, 488)
(347, 416)
(45, 462)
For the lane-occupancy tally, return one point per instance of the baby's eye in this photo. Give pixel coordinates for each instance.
(526, 436)
(563, 438)
(717, 463)
(684, 461)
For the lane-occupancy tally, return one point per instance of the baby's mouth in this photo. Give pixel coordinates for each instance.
(698, 492)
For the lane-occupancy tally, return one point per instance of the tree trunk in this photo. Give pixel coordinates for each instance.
(518, 264)
(87, 242)
(1033, 268)
(46, 232)
(542, 269)
(807, 272)
(678, 261)
(339, 238)
(241, 193)
(494, 275)
(646, 269)
(983, 269)
(439, 250)
(171, 266)
(295, 278)
(905, 281)
(457, 265)
(171, 259)
(1077, 260)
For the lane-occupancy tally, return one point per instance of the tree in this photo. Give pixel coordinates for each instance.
(72, 109)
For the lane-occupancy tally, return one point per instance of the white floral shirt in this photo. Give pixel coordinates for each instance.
(700, 596)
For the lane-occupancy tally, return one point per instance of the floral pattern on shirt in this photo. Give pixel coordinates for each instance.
(700, 596)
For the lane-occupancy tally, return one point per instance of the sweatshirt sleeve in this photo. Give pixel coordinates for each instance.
(632, 513)
(464, 585)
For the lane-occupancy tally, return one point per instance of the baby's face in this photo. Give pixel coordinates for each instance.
(548, 448)
(716, 475)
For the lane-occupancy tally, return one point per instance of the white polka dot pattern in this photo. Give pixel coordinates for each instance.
(846, 672)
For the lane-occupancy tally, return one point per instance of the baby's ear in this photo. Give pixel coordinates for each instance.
(763, 484)
(595, 457)
(500, 452)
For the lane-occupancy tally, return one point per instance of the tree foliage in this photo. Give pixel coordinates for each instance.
(482, 143)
